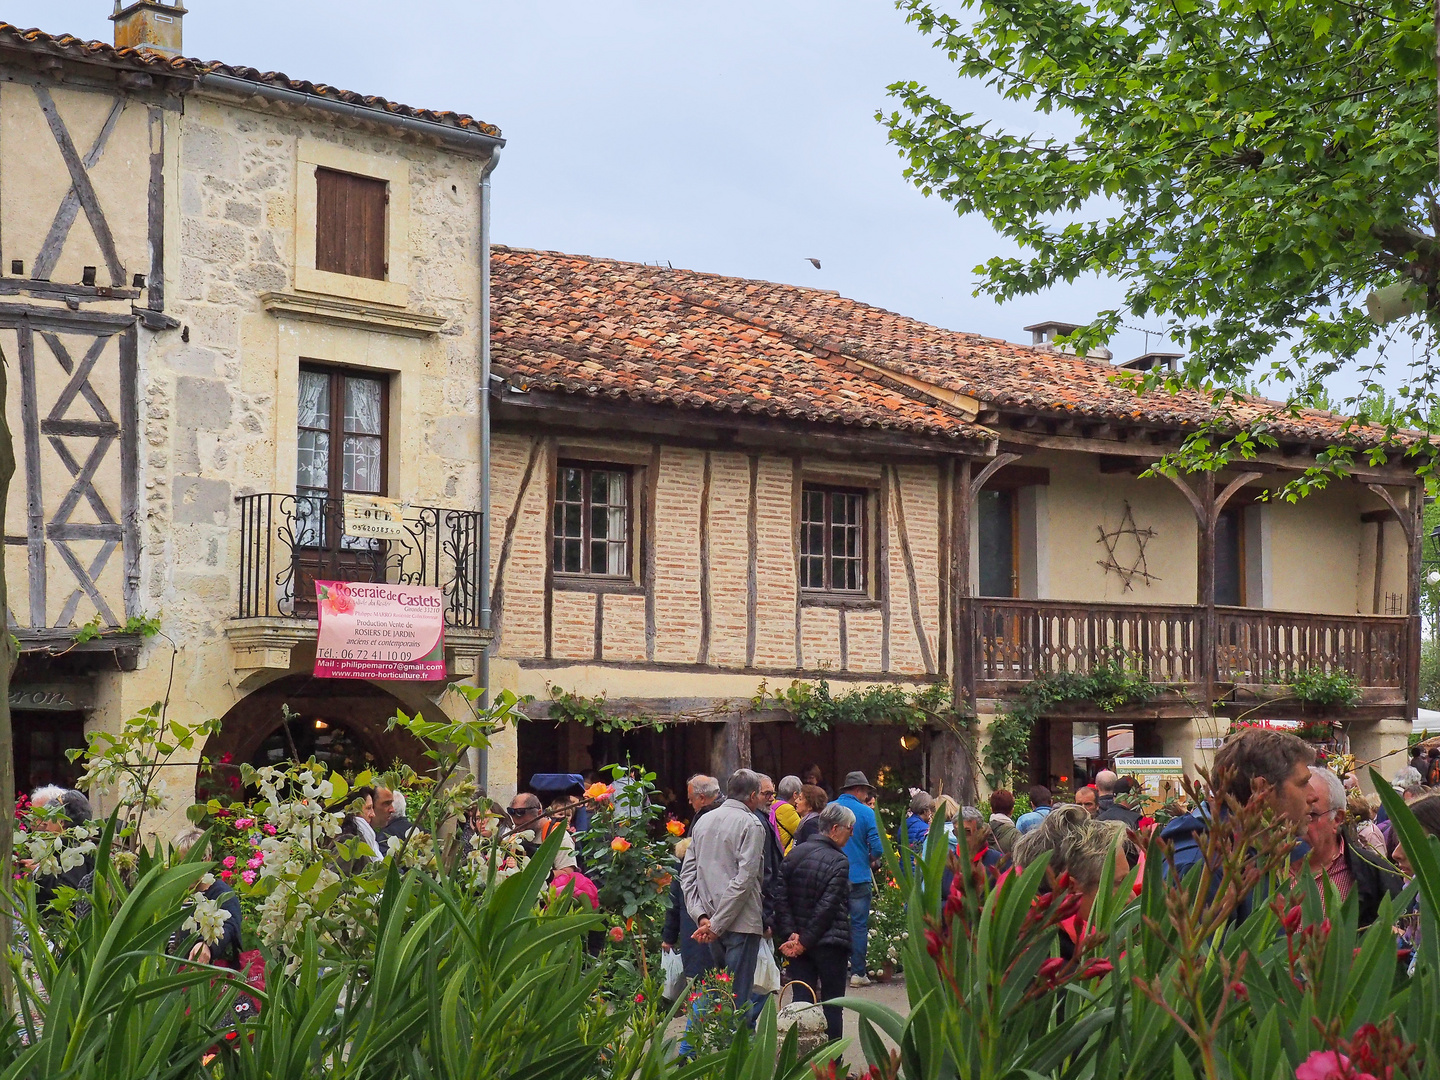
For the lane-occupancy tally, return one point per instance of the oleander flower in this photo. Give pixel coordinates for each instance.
(1328, 1065)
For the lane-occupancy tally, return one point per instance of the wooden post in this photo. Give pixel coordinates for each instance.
(1205, 589)
(8, 659)
(956, 766)
(730, 749)
(1415, 556)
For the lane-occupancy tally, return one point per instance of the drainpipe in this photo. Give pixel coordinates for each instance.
(480, 759)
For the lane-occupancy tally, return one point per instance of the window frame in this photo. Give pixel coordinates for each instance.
(335, 470)
(586, 575)
(828, 589)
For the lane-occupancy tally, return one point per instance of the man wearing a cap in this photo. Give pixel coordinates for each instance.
(863, 847)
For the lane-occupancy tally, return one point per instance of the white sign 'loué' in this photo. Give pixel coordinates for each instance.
(373, 517)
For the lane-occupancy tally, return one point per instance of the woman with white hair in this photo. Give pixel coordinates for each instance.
(814, 917)
(55, 809)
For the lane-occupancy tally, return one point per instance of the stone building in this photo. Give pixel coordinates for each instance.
(228, 298)
(702, 483)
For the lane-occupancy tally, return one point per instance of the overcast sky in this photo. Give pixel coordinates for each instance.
(734, 137)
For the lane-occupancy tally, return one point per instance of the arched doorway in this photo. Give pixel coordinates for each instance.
(340, 722)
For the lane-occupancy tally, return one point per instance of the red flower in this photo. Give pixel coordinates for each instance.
(1050, 968)
(1096, 968)
(933, 943)
(639, 999)
(1291, 919)
(617, 934)
(226, 875)
(1239, 990)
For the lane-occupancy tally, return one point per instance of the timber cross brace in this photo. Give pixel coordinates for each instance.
(50, 523)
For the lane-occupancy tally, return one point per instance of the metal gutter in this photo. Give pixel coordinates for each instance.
(459, 138)
(481, 764)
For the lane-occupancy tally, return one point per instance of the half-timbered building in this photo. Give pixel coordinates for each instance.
(228, 299)
(704, 483)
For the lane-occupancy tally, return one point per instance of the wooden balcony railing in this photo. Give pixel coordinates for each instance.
(1019, 640)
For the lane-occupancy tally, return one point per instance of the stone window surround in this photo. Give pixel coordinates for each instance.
(402, 360)
(395, 290)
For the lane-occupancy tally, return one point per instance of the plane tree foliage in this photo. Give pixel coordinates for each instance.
(1249, 170)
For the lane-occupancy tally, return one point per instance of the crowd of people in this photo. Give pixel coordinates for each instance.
(731, 900)
(788, 869)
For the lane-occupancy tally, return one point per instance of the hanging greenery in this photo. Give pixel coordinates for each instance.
(816, 710)
(1314, 686)
(1114, 682)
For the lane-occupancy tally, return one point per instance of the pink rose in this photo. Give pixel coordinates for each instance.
(248, 876)
(257, 862)
(228, 862)
(269, 829)
(245, 823)
(226, 875)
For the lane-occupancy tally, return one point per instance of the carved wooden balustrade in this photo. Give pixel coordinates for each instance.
(1020, 640)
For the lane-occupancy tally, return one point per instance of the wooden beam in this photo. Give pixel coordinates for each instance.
(993, 466)
(1402, 516)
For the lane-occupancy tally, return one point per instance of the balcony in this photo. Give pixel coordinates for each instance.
(1256, 652)
(288, 542)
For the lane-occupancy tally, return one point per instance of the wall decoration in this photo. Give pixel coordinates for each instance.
(1125, 550)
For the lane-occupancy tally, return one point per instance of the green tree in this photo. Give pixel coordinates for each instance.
(1248, 170)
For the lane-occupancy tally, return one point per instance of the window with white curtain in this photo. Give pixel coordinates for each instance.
(590, 532)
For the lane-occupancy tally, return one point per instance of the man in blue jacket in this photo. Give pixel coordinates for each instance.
(863, 849)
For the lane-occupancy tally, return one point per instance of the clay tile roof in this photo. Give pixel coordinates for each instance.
(604, 327)
(625, 331)
(69, 46)
(999, 373)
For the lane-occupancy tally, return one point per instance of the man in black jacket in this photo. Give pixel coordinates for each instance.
(1341, 857)
(814, 925)
(1108, 785)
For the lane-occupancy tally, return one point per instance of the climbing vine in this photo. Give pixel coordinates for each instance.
(816, 710)
(1113, 683)
(593, 712)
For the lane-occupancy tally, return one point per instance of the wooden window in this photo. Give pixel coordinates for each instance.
(832, 539)
(592, 526)
(342, 418)
(350, 224)
(999, 542)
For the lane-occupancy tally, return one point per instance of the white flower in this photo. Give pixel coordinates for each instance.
(207, 919)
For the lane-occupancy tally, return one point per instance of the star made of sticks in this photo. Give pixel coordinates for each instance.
(1131, 567)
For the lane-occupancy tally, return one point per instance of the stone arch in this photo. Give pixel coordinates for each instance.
(354, 710)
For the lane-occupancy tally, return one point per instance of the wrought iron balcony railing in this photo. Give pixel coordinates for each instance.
(287, 542)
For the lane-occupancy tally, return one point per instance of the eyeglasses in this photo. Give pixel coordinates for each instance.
(1316, 815)
(522, 811)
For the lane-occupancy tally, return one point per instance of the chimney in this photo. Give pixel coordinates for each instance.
(1166, 360)
(149, 25)
(1043, 335)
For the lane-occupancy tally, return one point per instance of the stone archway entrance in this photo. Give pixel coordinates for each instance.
(341, 722)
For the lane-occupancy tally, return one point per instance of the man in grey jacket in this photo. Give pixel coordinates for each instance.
(721, 878)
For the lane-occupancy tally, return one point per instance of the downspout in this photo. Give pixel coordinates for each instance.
(480, 759)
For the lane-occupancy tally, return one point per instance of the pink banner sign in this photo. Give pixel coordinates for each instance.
(376, 631)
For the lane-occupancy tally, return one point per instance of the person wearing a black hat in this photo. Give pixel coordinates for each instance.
(863, 849)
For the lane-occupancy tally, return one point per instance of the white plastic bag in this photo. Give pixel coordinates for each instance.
(767, 972)
(673, 968)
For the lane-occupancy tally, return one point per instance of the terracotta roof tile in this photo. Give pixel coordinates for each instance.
(67, 45)
(722, 313)
(620, 330)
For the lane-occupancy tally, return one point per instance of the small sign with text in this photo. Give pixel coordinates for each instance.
(371, 630)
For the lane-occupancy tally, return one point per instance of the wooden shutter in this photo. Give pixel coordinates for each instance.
(350, 224)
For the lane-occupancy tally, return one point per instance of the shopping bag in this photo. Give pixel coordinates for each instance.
(673, 968)
(767, 972)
